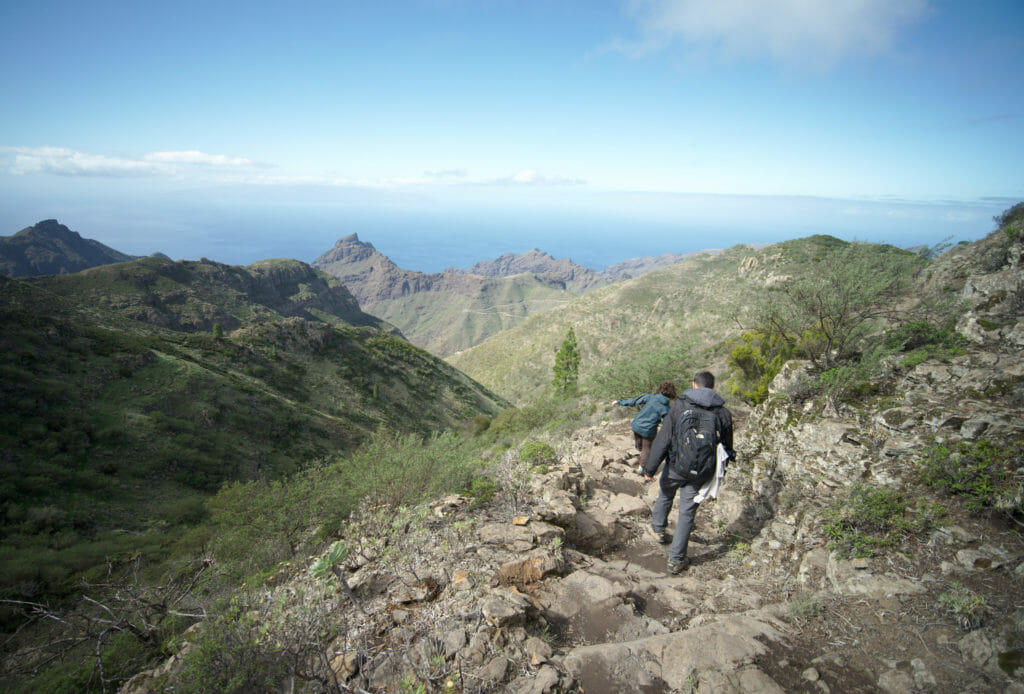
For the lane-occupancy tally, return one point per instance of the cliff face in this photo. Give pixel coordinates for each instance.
(373, 278)
(450, 311)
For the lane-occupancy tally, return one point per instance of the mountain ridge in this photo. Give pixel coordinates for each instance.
(129, 393)
(48, 248)
(192, 296)
(449, 311)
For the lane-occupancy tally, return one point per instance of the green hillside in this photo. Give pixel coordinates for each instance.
(444, 322)
(132, 392)
(50, 248)
(194, 295)
(673, 316)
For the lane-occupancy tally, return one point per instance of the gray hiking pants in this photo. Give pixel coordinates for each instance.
(687, 512)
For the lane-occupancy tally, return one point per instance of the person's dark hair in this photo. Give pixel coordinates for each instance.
(704, 379)
(668, 389)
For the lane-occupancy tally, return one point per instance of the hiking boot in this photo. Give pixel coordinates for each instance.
(662, 538)
(677, 568)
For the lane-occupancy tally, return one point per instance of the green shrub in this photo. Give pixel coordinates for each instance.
(635, 374)
(480, 424)
(482, 490)
(921, 340)
(984, 474)
(260, 523)
(544, 415)
(1010, 215)
(966, 606)
(826, 313)
(759, 357)
(538, 454)
(868, 518)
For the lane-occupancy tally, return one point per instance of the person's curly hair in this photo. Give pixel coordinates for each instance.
(668, 389)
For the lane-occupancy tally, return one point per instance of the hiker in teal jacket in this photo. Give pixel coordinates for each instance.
(645, 424)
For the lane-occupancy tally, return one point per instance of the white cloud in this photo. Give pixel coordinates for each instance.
(195, 157)
(61, 161)
(68, 162)
(445, 174)
(527, 177)
(792, 32)
(193, 164)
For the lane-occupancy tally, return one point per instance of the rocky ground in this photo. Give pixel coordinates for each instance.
(556, 587)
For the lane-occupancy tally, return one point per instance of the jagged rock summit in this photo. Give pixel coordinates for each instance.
(445, 312)
(537, 262)
(50, 248)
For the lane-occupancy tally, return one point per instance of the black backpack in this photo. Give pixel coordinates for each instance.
(695, 438)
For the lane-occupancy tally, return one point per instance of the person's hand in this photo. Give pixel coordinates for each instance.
(648, 478)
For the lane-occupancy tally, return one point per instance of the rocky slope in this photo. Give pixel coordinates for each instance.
(50, 248)
(555, 587)
(536, 262)
(449, 311)
(634, 267)
(194, 295)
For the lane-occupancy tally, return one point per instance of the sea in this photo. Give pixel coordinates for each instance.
(428, 235)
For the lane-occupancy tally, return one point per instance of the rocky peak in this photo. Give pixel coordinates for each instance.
(50, 248)
(346, 250)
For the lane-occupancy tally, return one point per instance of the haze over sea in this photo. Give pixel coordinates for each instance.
(429, 232)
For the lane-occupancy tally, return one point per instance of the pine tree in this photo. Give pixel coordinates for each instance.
(567, 365)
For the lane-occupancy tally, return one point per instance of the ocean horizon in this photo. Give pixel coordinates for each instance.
(428, 235)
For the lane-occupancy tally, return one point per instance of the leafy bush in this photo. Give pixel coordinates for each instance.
(543, 415)
(868, 518)
(482, 490)
(480, 424)
(538, 454)
(1010, 215)
(921, 340)
(966, 606)
(261, 523)
(826, 313)
(984, 474)
(759, 357)
(636, 374)
(858, 378)
(259, 640)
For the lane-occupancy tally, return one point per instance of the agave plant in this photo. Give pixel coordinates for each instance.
(326, 564)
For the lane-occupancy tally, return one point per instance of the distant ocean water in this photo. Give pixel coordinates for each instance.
(429, 235)
(433, 248)
(431, 245)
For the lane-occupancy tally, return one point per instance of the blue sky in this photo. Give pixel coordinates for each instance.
(453, 129)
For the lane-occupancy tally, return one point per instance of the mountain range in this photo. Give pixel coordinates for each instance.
(130, 392)
(443, 312)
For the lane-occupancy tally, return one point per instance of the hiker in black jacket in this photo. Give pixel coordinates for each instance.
(703, 395)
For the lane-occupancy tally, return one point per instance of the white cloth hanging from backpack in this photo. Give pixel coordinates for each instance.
(710, 488)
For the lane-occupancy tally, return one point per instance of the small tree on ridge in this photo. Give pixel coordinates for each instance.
(567, 365)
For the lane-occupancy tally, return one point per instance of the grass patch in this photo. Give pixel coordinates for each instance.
(867, 519)
(964, 605)
(984, 474)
